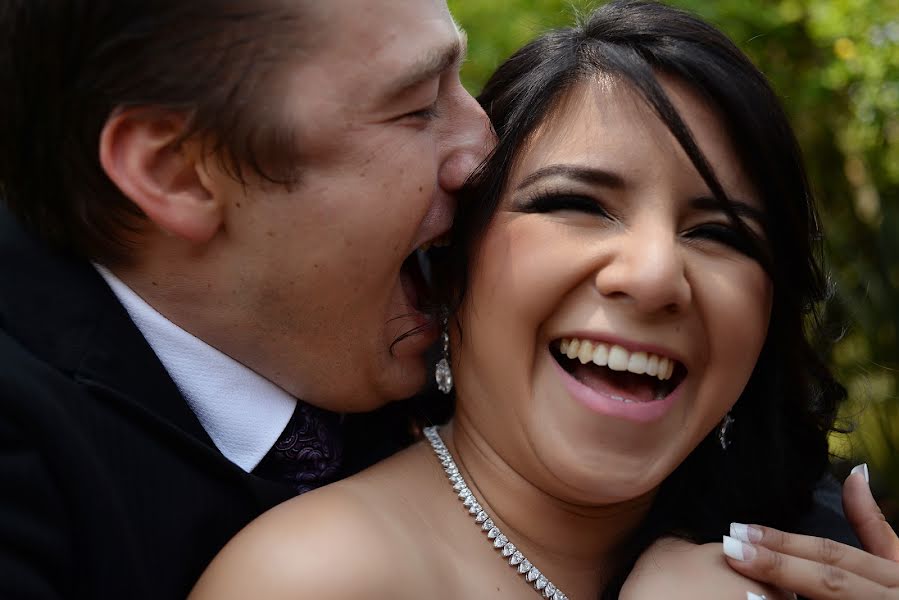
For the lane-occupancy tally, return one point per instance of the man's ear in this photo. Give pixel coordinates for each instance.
(142, 153)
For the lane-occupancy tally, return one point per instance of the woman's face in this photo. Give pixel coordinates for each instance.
(608, 235)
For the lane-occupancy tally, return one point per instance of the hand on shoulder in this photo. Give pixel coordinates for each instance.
(821, 569)
(677, 569)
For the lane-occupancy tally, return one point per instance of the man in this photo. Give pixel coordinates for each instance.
(213, 211)
(256, 175)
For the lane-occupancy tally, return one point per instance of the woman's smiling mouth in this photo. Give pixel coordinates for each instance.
(610, 379)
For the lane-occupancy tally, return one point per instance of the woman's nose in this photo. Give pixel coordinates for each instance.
(645, 267)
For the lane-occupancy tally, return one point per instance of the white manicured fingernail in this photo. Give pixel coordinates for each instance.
(863, 469)
(745, 533)
(751, 596)
(737, 550)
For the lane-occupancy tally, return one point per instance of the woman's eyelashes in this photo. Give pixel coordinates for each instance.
(727, 234)
(732, 235)
(550, 202)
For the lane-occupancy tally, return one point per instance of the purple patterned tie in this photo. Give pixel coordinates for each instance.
(308, 454)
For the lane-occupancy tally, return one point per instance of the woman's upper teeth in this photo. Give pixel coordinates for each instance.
(617, 358)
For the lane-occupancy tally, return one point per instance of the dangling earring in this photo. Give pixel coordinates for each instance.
(723, 430)
(443, 374)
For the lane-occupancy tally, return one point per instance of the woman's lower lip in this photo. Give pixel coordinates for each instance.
(639, 412)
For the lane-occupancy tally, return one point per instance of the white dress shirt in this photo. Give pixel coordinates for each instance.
(242, 412)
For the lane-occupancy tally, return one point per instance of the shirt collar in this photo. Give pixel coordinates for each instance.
(242, 412)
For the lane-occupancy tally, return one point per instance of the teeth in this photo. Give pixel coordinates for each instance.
(585, 354)
(652, 365)
(439, 242)
(637, 363)
(621, 399)
(601, 355)
(664, 364)
(617, 358)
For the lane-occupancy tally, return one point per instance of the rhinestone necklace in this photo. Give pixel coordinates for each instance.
(507, 549)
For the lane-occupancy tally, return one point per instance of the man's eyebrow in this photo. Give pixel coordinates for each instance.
(430, 66)
(589, 175)
(741, 208)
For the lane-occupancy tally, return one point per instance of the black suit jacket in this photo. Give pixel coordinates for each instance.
(109, 486)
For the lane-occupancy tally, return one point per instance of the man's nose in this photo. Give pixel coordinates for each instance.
(468, 139)
(645, 268)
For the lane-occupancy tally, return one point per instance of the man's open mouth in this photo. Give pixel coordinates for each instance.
(416, 275)
(619, 374)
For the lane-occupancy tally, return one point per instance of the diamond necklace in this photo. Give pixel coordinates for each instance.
(507, 549)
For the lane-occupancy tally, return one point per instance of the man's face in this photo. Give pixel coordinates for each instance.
(311, 289)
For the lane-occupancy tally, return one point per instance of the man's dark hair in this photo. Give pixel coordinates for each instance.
(782, 419)
(67, 65)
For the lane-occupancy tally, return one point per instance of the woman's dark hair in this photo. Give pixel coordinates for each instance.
(782, 420)
(66, 65)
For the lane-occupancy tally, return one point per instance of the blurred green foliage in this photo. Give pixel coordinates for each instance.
(835, 64)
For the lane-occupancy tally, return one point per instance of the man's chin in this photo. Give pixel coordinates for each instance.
(395, 382)
(409, 379)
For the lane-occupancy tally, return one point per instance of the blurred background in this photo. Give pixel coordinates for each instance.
(835, 64)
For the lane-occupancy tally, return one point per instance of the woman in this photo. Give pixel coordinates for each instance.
(633, 272)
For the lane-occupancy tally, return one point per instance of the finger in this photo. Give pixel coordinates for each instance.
(807, 578)
(822, 551)
(865, 516)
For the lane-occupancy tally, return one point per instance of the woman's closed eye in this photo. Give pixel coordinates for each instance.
(552, 202)
(727, 234)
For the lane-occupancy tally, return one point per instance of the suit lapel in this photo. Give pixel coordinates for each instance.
(63, 312)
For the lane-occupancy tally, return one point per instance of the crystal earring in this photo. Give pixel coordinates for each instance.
(443, 374)
(723, 430)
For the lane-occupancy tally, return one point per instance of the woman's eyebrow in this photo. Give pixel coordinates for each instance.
(589, 175)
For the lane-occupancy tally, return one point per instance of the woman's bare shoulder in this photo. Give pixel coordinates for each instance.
(674, 568)
(340, 541)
